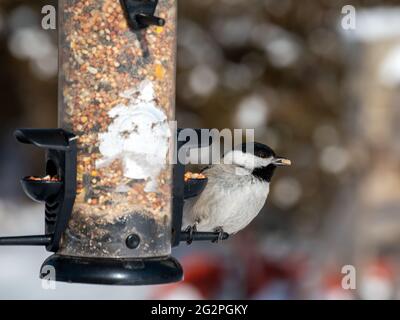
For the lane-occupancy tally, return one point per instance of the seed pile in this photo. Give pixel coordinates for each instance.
(193, 176)
(46, 178)
(100, 58)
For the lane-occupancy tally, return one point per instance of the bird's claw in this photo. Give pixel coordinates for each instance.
(221, 234)
(191, 230)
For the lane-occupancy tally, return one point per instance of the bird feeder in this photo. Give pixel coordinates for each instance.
(113, 202)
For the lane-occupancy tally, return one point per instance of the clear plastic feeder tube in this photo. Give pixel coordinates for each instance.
(116, 93)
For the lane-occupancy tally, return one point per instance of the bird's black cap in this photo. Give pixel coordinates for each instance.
(258, 149)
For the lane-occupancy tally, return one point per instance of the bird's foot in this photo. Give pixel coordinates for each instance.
(191, 229)
(221, 234)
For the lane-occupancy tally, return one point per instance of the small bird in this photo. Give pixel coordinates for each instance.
(236, 191)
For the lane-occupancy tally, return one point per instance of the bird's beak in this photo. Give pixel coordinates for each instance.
(281, 162)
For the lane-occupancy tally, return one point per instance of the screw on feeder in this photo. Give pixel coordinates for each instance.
(133, 241)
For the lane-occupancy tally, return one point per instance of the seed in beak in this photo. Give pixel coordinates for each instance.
(282, 162)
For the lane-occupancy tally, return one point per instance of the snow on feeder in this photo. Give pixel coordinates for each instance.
(113, 202)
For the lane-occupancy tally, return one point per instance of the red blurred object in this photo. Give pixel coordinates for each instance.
(381, 268)
(331, 287)
(205, 272)
(261, 270)
(204, 276)
(378, 280)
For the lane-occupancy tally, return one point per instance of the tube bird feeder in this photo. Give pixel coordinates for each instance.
(117, 89)
(113, 201)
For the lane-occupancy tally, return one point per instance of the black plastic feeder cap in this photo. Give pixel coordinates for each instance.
(112, 271)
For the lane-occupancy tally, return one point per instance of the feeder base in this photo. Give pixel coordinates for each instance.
(111, 271)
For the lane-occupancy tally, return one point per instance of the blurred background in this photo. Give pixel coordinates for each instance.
(325, 97)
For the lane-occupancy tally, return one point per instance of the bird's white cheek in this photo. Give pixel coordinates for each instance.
(246, 160)
(239, 171)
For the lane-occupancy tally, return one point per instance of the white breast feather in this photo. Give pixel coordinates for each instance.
(229, 201)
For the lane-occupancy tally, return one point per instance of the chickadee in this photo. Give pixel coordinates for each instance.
(236, 191)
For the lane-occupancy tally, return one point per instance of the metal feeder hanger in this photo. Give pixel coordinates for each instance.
(59, 197)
